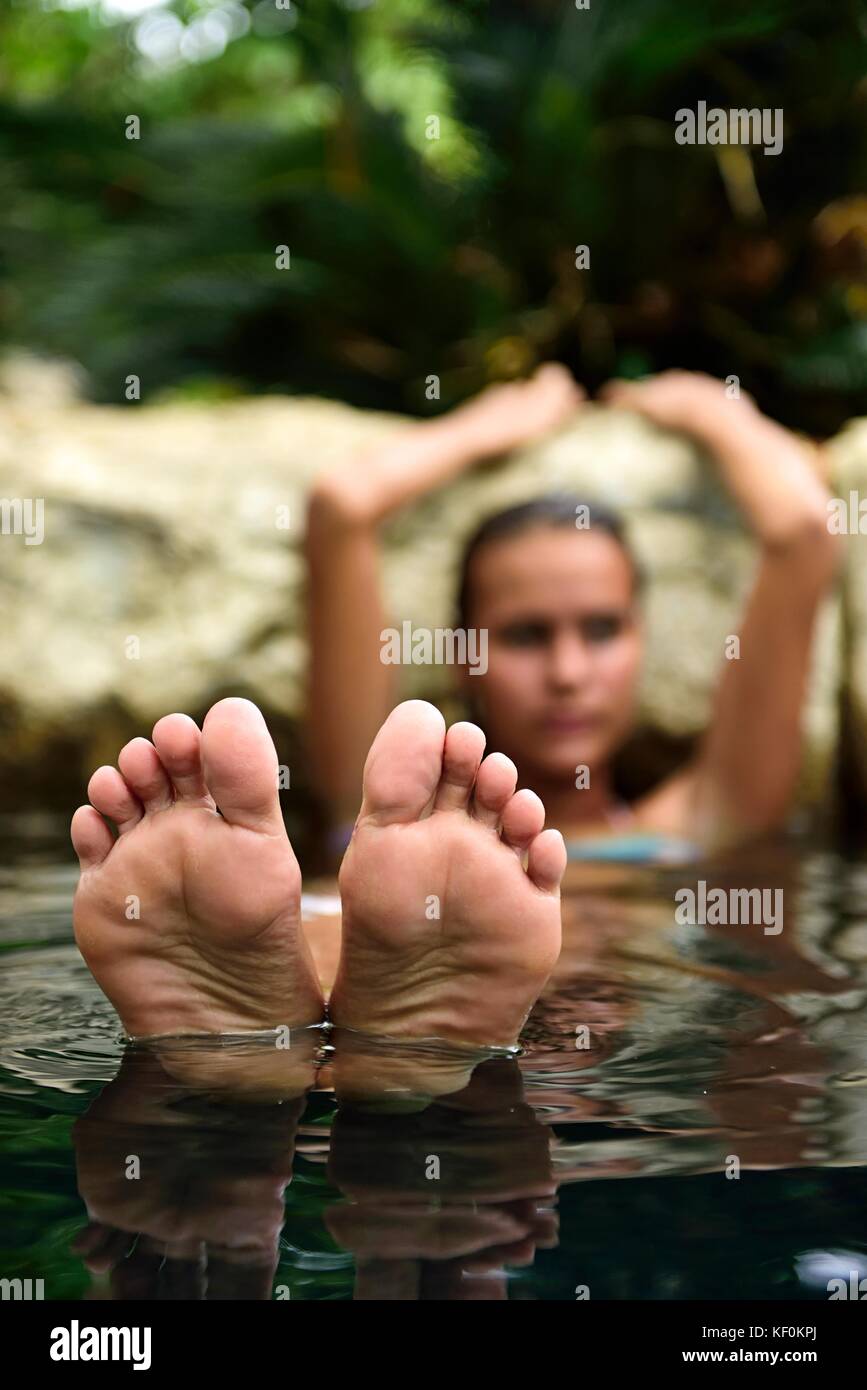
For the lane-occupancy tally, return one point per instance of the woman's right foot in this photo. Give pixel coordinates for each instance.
(190, 920)
(445, 933)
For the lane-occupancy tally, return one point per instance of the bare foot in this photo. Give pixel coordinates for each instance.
(445, 934)
(190, 919)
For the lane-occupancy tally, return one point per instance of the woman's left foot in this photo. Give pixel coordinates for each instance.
(445, 932)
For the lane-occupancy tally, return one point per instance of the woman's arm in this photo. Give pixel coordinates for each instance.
(350, 689)
(744, 776)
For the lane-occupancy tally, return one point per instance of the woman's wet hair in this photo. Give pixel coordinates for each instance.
(553, 509)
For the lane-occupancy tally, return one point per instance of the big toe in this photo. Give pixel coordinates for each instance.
(404, 765)
(240, 765)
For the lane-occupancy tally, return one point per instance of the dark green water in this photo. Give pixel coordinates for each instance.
(610, 1167)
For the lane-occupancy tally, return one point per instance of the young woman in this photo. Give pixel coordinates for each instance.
(220, 946)
(560, 606)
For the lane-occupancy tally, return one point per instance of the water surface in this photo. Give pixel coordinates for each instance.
(688, 1120)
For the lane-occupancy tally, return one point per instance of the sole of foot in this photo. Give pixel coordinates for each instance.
(190, 919)
(450, 889)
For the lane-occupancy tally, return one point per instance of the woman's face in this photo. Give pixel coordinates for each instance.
(564, 647)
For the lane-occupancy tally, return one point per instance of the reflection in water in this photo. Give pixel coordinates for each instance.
(689, 1119)
(185, 1188)
(184, 1193)
(438, 1202)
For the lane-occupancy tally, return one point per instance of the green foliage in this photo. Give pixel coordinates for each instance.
(453, 256)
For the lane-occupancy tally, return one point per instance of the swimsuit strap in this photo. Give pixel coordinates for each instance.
(639, 847)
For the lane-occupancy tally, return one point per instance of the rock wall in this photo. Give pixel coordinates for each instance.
(170, 571)
(849, 472)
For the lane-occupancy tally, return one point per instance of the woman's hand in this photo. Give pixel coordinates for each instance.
(676, 400)
(504, 417)
(776, 477)
(425, 456)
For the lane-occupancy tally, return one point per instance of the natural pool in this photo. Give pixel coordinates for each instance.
(708, 1141)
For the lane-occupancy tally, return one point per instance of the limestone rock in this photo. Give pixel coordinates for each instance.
(170, 572)
(849, 473)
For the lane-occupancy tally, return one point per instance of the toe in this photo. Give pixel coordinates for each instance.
(91, 837)
(111, 796)
(495, 784)
(523, 819)
(179, 744)
(462, 754)
(404, 765)
(140, 764)
(546, 860)
(240, 765)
